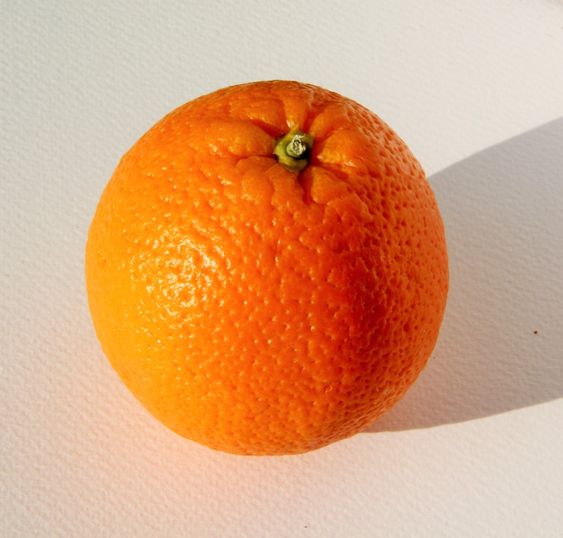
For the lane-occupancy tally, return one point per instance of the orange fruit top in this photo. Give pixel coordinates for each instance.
(258, 308)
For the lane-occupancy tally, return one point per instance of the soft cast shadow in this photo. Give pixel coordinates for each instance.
(501, 344)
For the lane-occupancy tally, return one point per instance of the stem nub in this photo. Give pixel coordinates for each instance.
(293, 150)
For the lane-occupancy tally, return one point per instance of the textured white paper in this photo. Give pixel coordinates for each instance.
(474, 449)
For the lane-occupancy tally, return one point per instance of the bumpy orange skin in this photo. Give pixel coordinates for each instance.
(257, 310)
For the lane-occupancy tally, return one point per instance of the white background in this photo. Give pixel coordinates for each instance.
(476, 90)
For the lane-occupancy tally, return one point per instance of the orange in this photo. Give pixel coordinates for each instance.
(267, 269)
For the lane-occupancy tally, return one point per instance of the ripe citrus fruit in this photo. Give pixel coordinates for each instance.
(266, 269)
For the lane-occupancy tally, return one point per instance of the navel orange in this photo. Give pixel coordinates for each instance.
(267, 269)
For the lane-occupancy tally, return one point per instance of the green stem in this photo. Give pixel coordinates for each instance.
(293, 150)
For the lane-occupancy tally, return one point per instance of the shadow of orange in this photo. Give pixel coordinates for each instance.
(501, 345)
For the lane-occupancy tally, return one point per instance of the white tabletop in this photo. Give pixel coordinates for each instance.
(475, 448)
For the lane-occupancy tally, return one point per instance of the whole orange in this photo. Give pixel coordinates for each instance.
(267, 269)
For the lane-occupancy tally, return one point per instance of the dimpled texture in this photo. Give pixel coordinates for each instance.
(257, 310)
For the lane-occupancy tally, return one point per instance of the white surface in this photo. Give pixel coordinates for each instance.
(475, 449)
